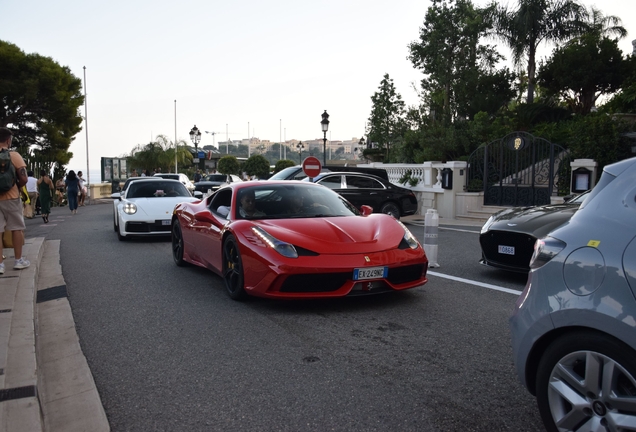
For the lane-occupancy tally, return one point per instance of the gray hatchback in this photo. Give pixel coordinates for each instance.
(574, 325)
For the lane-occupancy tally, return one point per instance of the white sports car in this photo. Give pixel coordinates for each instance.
(147, 205)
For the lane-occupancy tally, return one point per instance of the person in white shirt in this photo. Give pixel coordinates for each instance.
(82, 188)
(32, 190)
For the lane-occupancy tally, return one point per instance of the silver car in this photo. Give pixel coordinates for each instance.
(574, 326)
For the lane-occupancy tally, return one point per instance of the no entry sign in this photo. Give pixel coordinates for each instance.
(311, 166)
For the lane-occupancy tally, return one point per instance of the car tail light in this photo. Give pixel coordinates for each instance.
(544, 250)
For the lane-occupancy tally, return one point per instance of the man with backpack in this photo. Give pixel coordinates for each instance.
(13, 176)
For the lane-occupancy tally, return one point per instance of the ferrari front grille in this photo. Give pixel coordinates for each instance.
(316, 282)
(400, 275)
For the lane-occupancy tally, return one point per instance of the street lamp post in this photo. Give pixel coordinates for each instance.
(195, 137)
(324, 123)
(300, 148)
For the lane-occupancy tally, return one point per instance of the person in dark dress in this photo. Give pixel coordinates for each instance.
(46, 190)
(72, 190)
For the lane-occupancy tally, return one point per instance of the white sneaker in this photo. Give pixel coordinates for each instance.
(1, 268)
(22, 263)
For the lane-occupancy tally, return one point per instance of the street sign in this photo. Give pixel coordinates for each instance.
(311, 166)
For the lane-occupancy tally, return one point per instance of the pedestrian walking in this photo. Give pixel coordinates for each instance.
(72, 190)
(46, 190)
(82, 186)
(32, 191)
(59, 191)
(197, 176)
(13, 176)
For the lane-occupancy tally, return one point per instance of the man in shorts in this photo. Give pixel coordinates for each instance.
(11, 217)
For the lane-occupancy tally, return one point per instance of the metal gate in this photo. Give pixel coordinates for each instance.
(519, 170)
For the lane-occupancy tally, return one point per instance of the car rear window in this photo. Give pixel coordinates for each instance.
(606, 178)
(359, 182)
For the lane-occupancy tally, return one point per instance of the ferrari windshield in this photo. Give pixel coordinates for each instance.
(291, 201)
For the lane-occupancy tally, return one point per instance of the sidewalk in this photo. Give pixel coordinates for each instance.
(45, 382)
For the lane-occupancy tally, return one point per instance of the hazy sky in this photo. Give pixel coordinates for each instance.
(276, 65)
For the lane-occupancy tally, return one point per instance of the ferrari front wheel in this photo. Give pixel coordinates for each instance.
(177, 244)
(233, 269)
(586, 381)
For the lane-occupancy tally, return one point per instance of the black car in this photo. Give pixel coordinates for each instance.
(507, 238)
(366, 189)
(214, 181)
(297, 173)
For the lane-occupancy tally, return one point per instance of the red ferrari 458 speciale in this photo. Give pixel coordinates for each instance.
(289, 239)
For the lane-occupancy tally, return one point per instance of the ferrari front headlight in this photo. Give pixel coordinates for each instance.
(130, 208)
(285, 249)
(409, 238)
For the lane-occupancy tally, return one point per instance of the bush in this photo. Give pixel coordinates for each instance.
(228, 165)
(257, 165)
(282, 164)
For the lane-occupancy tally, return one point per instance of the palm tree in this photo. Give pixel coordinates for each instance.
(604, 26)
(159, 154)
(534, 22)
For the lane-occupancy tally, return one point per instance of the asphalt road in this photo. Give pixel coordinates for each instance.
(169, 350)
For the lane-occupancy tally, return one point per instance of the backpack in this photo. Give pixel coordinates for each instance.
(7, 171)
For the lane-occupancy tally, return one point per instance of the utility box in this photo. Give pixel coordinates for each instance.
(447, 178)
(583, 175)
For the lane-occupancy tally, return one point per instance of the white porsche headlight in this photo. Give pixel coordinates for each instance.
(130, 208)
(283, 248)
(409, 237)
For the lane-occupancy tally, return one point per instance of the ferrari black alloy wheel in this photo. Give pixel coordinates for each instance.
(233, 269)
(177, 244)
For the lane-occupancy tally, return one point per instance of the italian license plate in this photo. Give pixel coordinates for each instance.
(165, 222)
(507, 250)
(370, 273)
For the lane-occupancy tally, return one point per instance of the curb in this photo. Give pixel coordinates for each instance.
(46, 384)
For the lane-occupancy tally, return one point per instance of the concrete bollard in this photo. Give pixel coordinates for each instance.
(431, 223)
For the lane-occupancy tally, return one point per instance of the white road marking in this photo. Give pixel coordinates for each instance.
(460, 230)
(444, 227)
(472, 282)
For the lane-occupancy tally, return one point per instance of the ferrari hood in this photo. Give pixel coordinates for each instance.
(537, 220)
(343, 235)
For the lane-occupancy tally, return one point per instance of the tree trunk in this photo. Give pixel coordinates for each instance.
(531, 72)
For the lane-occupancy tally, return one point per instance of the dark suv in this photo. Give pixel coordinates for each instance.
(296, 172)
(366, 189)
